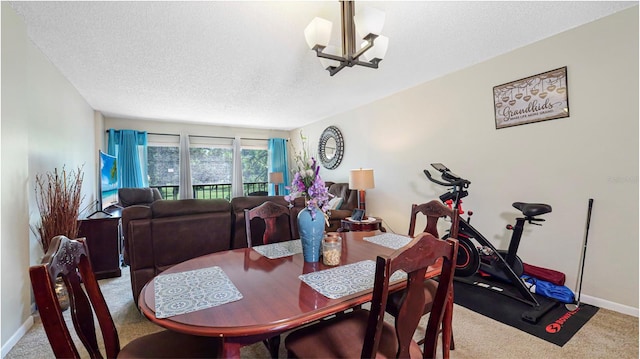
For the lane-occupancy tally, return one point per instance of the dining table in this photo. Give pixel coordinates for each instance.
(267, 295)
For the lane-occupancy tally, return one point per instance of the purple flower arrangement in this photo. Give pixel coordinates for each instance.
(307, 183)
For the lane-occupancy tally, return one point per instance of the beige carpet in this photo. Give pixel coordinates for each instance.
(607, 335)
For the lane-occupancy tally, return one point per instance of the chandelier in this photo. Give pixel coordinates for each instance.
(368, 23)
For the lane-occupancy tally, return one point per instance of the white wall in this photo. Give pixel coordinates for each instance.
(563, 162)
(45, 124)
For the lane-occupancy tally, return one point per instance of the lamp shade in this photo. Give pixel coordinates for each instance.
(369, 21)
(275, 177)
(361, 179)
(318, 32)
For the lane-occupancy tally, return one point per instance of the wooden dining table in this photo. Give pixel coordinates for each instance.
(274, 298)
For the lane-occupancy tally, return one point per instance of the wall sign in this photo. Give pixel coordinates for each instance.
(536, 98)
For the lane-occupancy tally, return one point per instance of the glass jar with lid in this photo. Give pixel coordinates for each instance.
(331, 249)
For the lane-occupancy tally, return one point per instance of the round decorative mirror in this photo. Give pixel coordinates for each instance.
(331, 147)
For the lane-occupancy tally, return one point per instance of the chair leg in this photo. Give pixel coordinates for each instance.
(453, 345)
(447, 331)
(273, 345)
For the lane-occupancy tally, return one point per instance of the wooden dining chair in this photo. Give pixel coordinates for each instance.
(69, 259)
(363, 333)
(433, 211)
(277, 228)
(276, 222)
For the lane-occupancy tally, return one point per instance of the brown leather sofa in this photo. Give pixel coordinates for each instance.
(168, 232)
(349, 203)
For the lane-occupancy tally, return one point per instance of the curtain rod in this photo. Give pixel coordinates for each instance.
(223, 137)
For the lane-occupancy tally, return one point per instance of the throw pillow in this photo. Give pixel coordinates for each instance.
(335, 203)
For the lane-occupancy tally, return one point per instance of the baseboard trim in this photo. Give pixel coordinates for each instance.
(24, 328)
(616, 307)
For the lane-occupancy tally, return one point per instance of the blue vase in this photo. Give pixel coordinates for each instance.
(311, 234)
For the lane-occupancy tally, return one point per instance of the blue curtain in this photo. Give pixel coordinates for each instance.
(130, 149)
(278, 162)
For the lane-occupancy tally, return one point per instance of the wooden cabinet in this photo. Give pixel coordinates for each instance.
(103, 240)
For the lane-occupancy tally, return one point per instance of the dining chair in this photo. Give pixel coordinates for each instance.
(276, 222)
(433, 211)
(69, 259)
(363, 333)
(277, 228)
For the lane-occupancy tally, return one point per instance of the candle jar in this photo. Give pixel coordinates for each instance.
(331, 250)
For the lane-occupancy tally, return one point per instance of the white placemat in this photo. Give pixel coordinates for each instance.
(389, 240)
(186, 292)
(344, 280)
(280, 249)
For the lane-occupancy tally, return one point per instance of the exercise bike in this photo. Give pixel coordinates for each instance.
(477, 254)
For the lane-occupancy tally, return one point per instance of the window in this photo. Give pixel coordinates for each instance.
(164, 169)
(254, 171)
(211, 166)
(211, 170)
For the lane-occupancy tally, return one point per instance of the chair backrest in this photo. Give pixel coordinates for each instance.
(433, 210)
(414, 259)
(70, 260)
(276, 220)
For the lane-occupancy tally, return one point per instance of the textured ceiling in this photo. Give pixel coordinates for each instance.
(246, 63)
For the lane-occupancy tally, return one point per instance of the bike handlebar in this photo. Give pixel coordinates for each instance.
(450, 178)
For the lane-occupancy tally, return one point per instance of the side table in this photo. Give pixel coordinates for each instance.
(103, 240)
(347, 225)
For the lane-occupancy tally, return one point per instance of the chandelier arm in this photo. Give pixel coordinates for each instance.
(334, 70)
(369, 39)
(371, 64)
(319, 53)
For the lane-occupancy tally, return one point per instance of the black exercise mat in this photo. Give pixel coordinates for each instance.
(557, 326)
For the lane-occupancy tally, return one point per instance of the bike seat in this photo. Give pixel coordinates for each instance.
(532, 209)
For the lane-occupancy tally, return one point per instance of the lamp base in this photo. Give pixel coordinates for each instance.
(361, 202)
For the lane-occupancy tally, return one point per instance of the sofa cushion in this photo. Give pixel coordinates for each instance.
(179, 238)
(183, 207)
(335, 203)
(349, 196)
(143, 196)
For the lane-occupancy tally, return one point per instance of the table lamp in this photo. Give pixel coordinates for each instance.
(276, 179)
(361, 180)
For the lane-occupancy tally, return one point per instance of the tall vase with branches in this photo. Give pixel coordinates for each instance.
(58, 196)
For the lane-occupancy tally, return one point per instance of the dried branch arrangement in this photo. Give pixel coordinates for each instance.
(58, 197)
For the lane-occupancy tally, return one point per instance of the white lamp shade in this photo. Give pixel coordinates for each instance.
(318, 32)
(379, 49)
(275, 177)
(332, 50)
(369, 21)
(361, 179)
